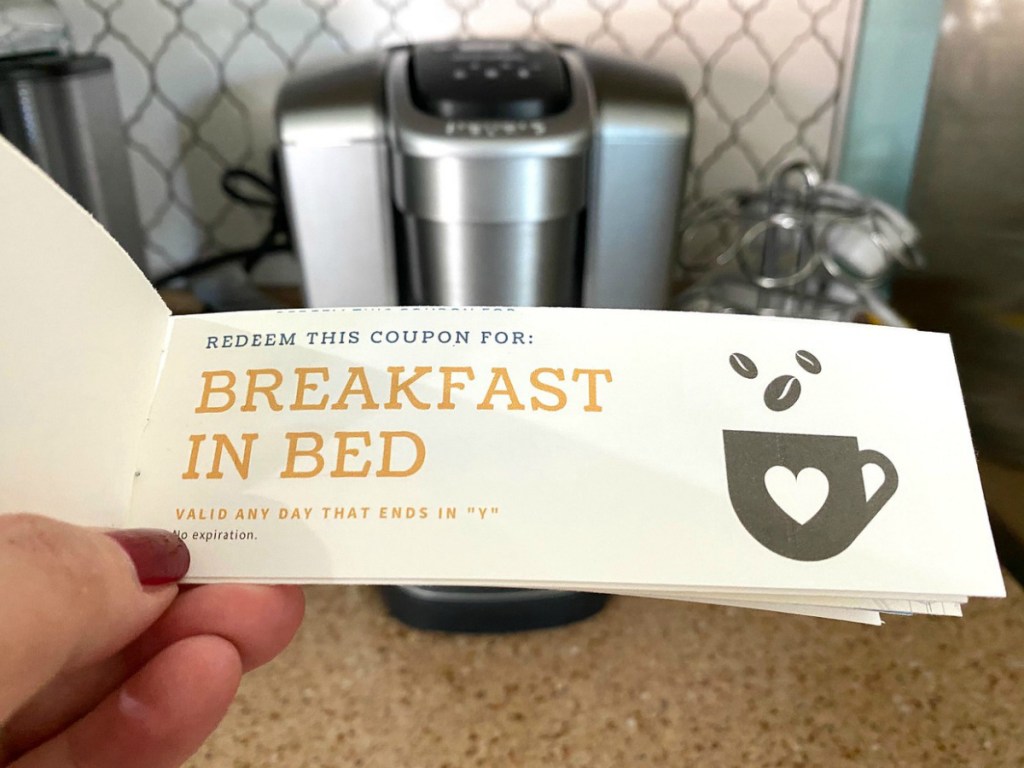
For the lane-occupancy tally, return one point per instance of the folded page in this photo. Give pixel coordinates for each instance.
(81, 338)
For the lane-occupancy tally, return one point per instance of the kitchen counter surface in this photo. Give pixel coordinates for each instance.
(643, 683)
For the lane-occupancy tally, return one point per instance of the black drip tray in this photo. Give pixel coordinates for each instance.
(488, 610)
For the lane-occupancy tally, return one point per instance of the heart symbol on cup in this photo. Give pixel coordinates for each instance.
(800, 496)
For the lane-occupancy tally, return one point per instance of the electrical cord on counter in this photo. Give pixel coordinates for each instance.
(268, 196)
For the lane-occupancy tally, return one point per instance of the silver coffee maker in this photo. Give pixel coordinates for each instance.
(61, 110)
(485, 172)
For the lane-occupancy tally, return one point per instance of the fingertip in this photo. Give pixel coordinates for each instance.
(292, 612)
(258, 620)
(160, 716)
(159, 557)
(266, 620)
(185, 691)
(177, 700)
(72, 597)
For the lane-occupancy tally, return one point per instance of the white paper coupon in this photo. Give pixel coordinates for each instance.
(804, 466)
(553, 446)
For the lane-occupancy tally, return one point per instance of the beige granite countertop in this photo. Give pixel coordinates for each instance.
(644, 682)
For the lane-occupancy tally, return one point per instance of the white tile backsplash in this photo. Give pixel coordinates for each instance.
(198, 80)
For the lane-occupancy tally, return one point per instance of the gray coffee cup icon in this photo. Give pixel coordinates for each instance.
(842, 516)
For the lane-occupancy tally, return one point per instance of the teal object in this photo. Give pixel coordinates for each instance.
(887, 96)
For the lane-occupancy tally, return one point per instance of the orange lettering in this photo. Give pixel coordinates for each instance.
(446, 403)
(561, 399)
(191, 473)
(356, 376)
(267, 390)
(221, 444)
(294, 453)
(501, 377)
(385, 464)
(397, 385)
(592, 374)
(344, 450)
(302, 386)
(209, 389)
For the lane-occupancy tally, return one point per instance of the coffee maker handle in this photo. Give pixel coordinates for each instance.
(889, 484)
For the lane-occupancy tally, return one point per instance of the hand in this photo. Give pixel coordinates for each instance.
(104, 662)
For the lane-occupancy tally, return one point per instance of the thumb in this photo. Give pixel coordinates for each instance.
(72, 596)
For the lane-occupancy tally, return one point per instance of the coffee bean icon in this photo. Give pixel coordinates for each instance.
(808, 361)
(743, 365)
(782, 393)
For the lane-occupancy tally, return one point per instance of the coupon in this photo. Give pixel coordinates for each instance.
(720, 458)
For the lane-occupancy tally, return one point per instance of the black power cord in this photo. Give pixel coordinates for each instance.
(250, 189)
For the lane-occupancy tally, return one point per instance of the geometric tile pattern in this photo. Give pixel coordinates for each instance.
(197, 81)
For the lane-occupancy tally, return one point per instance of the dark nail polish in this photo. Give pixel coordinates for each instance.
(160, 557)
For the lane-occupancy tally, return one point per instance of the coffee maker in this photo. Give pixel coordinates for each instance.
(61, 110)
(485, 172)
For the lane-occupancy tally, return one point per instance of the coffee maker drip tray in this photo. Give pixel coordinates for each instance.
(487, 610)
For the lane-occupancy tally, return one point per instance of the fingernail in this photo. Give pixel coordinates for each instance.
(159, 557)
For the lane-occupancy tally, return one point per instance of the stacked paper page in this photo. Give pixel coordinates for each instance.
(797, 466)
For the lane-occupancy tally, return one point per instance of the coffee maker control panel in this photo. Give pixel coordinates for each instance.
(489, 80)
